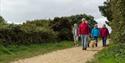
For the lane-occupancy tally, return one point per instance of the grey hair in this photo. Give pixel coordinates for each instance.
(83, 19)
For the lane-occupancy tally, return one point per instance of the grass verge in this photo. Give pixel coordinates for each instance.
(14, 52)
(112, 54)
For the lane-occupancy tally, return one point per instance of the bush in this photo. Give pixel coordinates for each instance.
(17, 35)
(63, 27)
(40, 31)
(113, 54)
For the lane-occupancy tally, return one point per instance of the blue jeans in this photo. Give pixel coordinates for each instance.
(104, 39)
(75, 38)
(84, 41)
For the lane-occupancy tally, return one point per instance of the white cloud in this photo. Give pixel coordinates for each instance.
(18, 11)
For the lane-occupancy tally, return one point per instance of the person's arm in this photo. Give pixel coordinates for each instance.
(89, 30)
(108, 33)
(73, 30)
(99, 31)
(92, 33)
(79, 30)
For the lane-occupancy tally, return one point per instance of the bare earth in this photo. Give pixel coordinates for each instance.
(71, 55)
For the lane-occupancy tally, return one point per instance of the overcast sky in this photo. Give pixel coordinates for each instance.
(18, 11)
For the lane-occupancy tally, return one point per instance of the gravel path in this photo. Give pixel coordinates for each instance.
(71, 55)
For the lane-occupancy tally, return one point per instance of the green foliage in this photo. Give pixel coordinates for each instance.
(116, 16)
(77, 19)
(106, 10)
(2, 20)
(27, 33)
(113, 54)
(3, 23)
(114, 11)
(40, 31)
(63, 25)
(118, 22)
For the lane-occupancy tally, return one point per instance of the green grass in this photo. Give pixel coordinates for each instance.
(113, 54)
(13, 52)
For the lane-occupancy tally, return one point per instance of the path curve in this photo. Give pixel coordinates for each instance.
(71, 55)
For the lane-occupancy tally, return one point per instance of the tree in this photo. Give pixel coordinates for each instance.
(63, 25)
(114, 11)
(106, 10)
(118, 21)
(2, 19)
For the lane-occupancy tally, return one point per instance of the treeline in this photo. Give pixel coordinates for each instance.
(40, 31)
(114, 10)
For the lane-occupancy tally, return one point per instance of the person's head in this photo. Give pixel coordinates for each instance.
(84, 20)
(104, 26)
(75, 25)
(95, 26)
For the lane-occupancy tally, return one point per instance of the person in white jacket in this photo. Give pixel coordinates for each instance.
(75, 34)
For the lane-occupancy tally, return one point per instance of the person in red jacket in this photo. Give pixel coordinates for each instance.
(104, 33)
(84, 32)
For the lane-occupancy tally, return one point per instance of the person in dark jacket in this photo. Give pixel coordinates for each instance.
(95, 33)
(104, 33)
(84, 32)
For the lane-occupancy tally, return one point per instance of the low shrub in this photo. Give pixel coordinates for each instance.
(113, 54)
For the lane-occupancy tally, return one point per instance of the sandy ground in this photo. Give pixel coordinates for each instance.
(71, 55)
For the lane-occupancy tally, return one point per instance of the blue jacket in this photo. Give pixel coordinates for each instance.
(95, 32)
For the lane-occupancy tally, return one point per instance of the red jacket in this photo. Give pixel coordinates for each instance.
(104, 32)
(84, 29)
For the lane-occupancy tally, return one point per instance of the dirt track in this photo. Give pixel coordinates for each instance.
(71, 55)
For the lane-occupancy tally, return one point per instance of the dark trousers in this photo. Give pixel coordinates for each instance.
(104, 39)
(96, 39)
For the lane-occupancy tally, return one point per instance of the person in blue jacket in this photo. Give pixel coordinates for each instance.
(95, 33)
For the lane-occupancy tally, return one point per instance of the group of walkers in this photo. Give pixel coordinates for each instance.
(83, 30)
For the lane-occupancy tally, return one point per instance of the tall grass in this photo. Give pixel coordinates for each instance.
(14, 52)
(113, 54)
